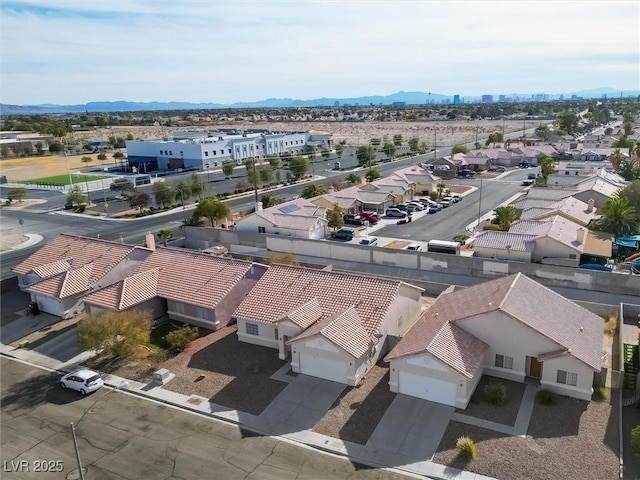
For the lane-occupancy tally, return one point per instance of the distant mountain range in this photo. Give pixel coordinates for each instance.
(408, 98)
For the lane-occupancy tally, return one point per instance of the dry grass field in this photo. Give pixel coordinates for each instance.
(27, 168)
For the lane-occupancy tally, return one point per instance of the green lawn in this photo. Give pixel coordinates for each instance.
(64, 179)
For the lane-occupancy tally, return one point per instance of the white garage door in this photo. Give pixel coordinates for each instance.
(49, 305)
(431, 389)
(323, 368)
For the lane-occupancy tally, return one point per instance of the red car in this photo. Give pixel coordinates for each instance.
(372, 219)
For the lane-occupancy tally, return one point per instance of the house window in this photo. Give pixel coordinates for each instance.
(202, 313)
(206, 154)
(567, 378)
(276, 333)
(179, 307)
(503, 361)
(215, 152)
(251, 329)
(262, 230)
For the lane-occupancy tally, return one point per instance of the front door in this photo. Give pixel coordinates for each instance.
(535, 367)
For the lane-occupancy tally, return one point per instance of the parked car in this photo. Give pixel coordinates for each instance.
(414, 247)
(400, 206)
(344, 234)
(527, 183)
(371, 241)
(455, 197)
(84, 381)
(434, 208)
(466, 173)
(445, 202)
(523, 165)
(426, 201)
(501, 169)
(395, 212)
(413, 206)
(531, 176)
(373, 213)
(351, 219)
(372, 219)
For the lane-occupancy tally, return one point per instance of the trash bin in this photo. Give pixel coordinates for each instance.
(336, 165)
(33, 308)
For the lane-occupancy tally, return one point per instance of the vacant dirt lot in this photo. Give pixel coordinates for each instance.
(20, 169)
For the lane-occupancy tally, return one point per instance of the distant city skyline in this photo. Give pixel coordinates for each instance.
(72, 52)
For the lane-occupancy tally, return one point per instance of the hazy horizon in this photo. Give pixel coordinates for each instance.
(74, 52)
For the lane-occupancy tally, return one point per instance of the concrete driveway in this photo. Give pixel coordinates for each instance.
(411, 427)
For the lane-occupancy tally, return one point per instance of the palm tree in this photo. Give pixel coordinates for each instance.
(616, 159)
(269, 200)
(440, 188)
(629, 169)
(505, 216)
(618, 217)
(165, 235)
(547, 166)
(353, 178)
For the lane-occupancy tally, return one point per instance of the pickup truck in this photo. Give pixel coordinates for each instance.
(344, 234)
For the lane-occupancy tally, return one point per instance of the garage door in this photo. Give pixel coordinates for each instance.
(49, 305)
(323, 368)
(431, 389)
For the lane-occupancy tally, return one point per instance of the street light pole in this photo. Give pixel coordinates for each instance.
(435, 143)
(479, 207)
(75, 446)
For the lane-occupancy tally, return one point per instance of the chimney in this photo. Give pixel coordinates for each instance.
(331, 189)
(363, 181)
(150, 241)
(580, 234)
(590, 203)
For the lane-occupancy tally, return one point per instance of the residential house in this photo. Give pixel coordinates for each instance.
(398, 185)
(355, 199)
(58, 274)
(511, 328)
(570, 208)
(422, 179)
(297, 218)
(448, 167)
(184, 285)
(332, 325)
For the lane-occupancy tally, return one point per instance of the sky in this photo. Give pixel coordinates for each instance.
(77, 51)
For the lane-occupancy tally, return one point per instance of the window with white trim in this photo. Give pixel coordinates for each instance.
(503, 361)
(251, 329)
(567, 378)
(276, 333)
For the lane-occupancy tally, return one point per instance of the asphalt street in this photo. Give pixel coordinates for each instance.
(121, 436)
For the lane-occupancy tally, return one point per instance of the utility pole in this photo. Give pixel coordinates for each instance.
(75, 446)
(255, 181)
(435, 142)
(479, 207)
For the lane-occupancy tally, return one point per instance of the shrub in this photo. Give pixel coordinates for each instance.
(466, 448)
(611, 325)
(495, 393)
(179, 339)
(546, 397)
(635, 439)
(601, 394)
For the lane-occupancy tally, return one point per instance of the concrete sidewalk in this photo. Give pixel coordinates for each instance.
(293, 414)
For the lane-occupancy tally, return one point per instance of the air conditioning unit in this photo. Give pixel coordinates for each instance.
(162, 376)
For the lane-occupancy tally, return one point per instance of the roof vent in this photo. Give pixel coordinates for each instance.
(581, 329)
(437, 314)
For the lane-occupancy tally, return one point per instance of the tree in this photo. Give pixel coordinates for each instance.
(608, 131)
(182, 192)
(117, 155)
(632, 194)
(413, 144)
(543, 132)
(326, 153)
(389, 150)
(312, 190)
(39, 147)
(86, 159)
(163, 193)
(397, 139)
(103, 156)
(196, 187)
(547, 166)
(629, 169)
(55, 147)
(122, 186)
(265, 173)
(310, 150)
(623, 143)
(129, 136)
(423, 147)
(298, 167)
(138, 200)
(353, 178)
(335, 218)
(372, 174)
(116, 334)
(18, 193)
(252, 174)
(212, 209)
(76, 197)
(366, 155)
(616, 159)
(440, 188)
(339, 150)
(505, 216)
(618, 217)
(375, 142)
(459, 149)
(269, 200)
(165, 235)
(227, 168)
(494, 137)
(568, 121)
(274, 161)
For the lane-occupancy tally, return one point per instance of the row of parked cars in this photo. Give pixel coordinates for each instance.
(403, 210)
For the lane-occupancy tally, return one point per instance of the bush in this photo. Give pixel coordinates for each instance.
(546, 397)
(466, 448)
(635, 439)
(495, 393)
(601, 394)
(611, 325)
(179, 339)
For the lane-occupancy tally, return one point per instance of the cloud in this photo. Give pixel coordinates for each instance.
(78, 51)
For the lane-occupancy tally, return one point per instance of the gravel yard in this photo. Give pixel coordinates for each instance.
(356, 413)
(506, 413)
(570, 440)
(236, 374)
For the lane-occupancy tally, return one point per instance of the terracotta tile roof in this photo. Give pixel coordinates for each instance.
(306, 314)
(448, 343)
(299, 207)
(66, 283)
(525, 226)
(295, 222)
(192, 277)
(549, 193)
(284, 288)
(343, 329)
(77, 251)
(126, 293)
(53, 268)
(546, 312)
(522, 242)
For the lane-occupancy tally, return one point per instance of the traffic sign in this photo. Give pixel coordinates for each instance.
(106, 205)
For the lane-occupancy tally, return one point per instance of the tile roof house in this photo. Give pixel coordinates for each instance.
(298, 218)
(187, 286)
(511, 328)
(570, 208)
(423, 179)
(332, 325)
(354, 200)
(59, 273)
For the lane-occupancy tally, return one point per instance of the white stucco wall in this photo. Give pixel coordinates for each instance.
(322, 349)
(548, 247)
(403, 311)
(583, 390)
(266, 334)
(501, 254)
